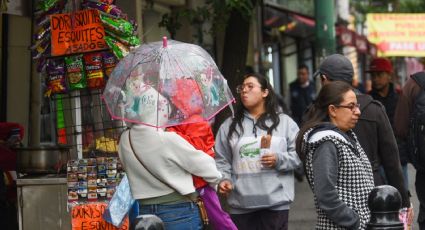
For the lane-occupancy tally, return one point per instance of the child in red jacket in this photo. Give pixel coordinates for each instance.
(200, 135)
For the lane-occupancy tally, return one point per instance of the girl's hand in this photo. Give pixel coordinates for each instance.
(225, 187)
(269, 160)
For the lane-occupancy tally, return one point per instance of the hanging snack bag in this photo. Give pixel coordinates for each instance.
(93, 67)
(126, 40)
(109, 63)
(75, 72)
(104, 7)
(55, 76)
(119, 26)
(119, 49)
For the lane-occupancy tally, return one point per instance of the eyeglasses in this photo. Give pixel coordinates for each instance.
(352, 107)
(248, 86)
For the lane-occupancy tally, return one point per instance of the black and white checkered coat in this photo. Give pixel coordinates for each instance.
(355, 178)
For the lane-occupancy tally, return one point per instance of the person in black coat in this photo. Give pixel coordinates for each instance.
(373, 129)
(302, 94)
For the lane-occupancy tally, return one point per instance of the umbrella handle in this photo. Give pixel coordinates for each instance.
(164, 42)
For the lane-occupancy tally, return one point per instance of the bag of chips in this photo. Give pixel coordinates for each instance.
(75, 72)
(55, 80)
(109, 63)
(93, 67)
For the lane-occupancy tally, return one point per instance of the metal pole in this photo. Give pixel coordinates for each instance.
(325, 27)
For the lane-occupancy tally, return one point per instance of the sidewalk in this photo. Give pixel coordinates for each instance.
(302, 215)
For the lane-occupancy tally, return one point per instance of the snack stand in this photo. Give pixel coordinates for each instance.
(76, 45)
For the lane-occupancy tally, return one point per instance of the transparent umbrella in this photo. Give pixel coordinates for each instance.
(166, 83)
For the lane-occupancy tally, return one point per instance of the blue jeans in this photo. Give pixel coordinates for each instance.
(181, 216)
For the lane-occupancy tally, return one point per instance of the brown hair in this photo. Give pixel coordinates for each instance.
(331, 94)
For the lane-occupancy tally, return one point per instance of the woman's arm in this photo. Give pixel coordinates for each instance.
(325, 171)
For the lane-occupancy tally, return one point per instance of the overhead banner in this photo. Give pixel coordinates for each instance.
(76, 32)
(397, 34)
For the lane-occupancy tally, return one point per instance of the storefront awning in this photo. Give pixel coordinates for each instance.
(287, 22)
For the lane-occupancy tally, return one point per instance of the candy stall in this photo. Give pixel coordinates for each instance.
(75, 47)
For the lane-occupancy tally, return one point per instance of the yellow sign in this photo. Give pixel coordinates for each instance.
(397, 34)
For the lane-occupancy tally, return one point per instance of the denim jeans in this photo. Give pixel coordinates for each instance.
(181, 216)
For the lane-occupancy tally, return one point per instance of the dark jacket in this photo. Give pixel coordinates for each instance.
(376, 137)
(389, 102)
(301, 98)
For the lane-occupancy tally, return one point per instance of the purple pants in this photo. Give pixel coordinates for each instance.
(218, 218)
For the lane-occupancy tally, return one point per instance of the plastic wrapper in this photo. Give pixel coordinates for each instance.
(109, 63)
(126, 40)
(265, 145)
(93, 67)
(41, 15)
(119, 26)
(104, 7)
(41, 64)
(42, 32)
(56, 82)
(41, 48)
(120, 204)
(75, 72)
(45, 5)
(119, 49)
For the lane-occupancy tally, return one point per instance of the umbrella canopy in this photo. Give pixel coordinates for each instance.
(166, 83)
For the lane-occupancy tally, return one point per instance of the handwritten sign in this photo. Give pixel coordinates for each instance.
(76, 32)
(89, 217)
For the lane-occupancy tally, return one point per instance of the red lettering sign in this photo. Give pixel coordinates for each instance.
(89, 216)
(76, 32)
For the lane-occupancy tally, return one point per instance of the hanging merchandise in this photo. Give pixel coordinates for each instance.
(93, 66)
(62, 30)
(76, 46)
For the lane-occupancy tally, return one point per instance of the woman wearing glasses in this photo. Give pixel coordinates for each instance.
(337, 169)
(255, 152)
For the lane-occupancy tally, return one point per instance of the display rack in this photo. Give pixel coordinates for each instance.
(83, 122)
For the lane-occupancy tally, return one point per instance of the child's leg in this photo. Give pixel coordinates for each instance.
(218, 218)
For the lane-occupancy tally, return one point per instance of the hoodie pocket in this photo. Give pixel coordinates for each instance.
(258, 191)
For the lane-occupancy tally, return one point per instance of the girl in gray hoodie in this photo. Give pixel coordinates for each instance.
(258, 179)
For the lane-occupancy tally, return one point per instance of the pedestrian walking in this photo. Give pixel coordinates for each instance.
(302, 92)
(381, 71)
(255, 152)
(373, 128)
(409, 123)
(337, 168)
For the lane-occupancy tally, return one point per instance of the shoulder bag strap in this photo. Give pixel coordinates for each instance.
(141, 162)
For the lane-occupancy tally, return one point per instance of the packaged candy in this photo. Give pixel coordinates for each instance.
(75, 72)
(93, 66)
(41, 48)
(104, 7)
(109, 63)
(45, 5)
(119, 49)
(55, 76)
(119, 26)
(42, 32)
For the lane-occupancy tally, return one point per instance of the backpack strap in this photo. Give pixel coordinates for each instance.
(419, 79)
